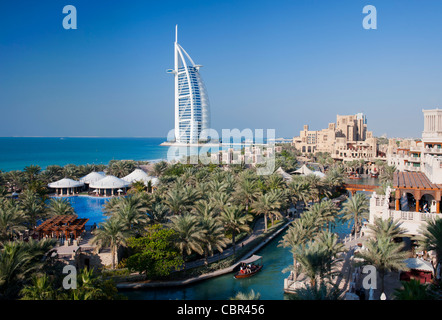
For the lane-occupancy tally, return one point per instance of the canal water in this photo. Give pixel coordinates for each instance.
(269, 282)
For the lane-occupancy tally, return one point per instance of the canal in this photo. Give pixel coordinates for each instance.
(269, 282)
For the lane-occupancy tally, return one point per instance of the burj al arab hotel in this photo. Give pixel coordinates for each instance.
(192, 111)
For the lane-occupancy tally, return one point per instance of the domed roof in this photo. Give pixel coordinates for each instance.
(109, 182)
(138, 175)
(65, 183)
(92, 177)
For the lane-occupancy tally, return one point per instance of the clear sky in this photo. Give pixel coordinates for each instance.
(275, 64)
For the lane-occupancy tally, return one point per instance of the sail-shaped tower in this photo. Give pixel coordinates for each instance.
(192, 109)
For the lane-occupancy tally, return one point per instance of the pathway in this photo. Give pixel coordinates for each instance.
(256, 232)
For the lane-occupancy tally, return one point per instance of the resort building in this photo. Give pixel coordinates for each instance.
(140, 175)
(66, 226)
(192, 113)
(66, 187)
(91, 178)
(347, 139)
(417, 187)
(426, 155)
(249, 155)
(110, 186)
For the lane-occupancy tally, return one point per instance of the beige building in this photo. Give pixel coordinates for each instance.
(425, 155)
(347, 139)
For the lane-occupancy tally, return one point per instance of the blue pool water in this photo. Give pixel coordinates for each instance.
(89, 207)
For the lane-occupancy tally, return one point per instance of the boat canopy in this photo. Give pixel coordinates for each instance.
(251, 259)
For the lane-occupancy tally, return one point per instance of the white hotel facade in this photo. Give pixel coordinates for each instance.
(192, 108)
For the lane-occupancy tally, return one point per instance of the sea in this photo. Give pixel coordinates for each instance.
(18, 152)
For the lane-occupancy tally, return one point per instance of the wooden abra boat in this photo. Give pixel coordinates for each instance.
(374, 174)
(249, 267)
(354, 176)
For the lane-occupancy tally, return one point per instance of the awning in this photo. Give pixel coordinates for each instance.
(251, 259)
(419, 264)
(304, 170)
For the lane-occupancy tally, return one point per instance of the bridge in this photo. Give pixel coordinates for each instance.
(359, 187)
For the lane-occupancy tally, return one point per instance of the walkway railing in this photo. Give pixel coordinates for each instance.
(350, 237)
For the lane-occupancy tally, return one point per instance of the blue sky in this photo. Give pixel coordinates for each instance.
(267, 65)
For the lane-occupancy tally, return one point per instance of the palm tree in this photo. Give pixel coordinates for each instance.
(15, 180)
(386, 228)
(120, 168)
(217, 186)
(385, 255)
(329, 213)
(18, 260)
(265, 205)
(213, 236)
(178, 200)
(315, 261)
(323, 291)
(356, 209)
(297, 235)
(413, 290)
(138, 187)
(41, 288)
(53, 173)
(90, 286)
(280, 200)
(60, 206)
(113, 233)
(204, 209)
(235, 221)
(330, 242)
(299, 191)
(132, 212)
(274, 181)
(32, 206)
(247, 296)
(189, 234)
(315, 184)
(387, 173)
(334, 178)
(246, 192)
(432, 239)
(70, 171)
(31, 172)
(159, 213)
(159, 168)
(220, 200)
(11, 220)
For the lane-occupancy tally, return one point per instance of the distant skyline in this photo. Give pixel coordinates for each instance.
(266, 65)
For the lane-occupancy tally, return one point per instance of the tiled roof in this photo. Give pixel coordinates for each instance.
(415, 180)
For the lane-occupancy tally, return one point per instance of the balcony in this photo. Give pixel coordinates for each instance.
(433, 150)
(413, 216)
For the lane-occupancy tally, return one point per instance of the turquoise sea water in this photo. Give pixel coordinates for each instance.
(17, 153)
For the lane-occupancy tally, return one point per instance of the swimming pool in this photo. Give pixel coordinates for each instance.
(89, 207)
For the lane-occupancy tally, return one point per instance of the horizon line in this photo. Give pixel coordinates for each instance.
(80, 137)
